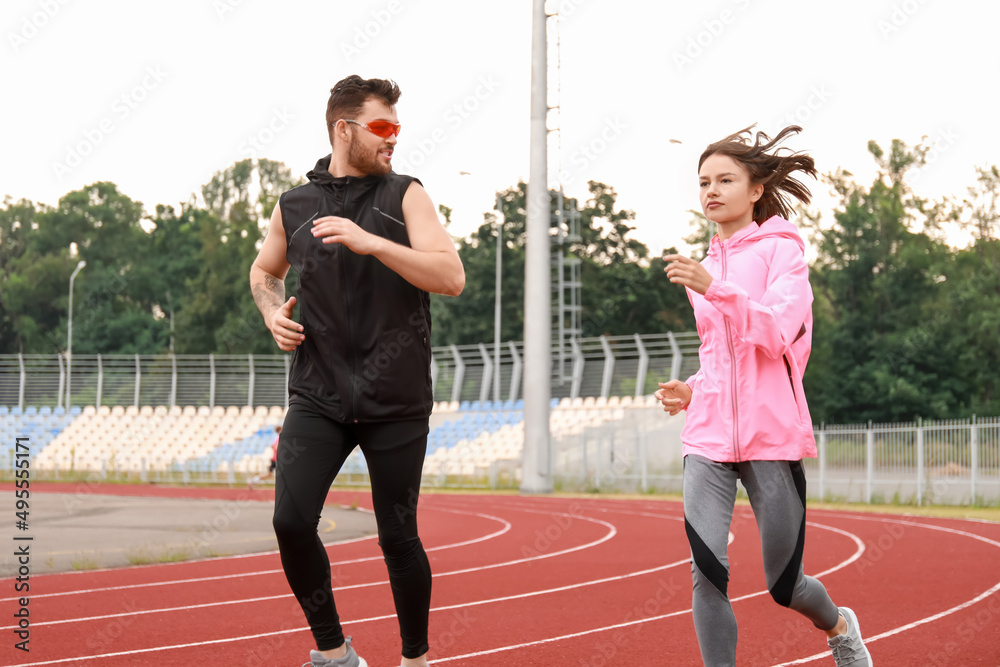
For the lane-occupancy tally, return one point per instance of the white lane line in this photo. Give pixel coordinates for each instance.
(268, 598)
(506, 527)
(611, 533)
(922, 621)
(500, 649)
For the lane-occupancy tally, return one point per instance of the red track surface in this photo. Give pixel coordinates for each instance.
(536, 581)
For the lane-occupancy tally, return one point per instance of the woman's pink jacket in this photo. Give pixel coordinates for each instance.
(755, 324)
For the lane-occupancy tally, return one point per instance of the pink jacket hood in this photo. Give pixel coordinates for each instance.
(755, 324)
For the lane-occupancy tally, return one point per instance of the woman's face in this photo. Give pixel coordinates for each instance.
(727, 195)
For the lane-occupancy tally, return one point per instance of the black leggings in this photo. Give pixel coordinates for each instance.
(313, 448)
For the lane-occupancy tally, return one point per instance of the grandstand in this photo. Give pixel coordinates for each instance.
(467, 439)
(211, 419)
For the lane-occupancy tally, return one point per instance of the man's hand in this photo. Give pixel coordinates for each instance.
(332, 229)
(287, 333)
(674, 396)
(687, 272)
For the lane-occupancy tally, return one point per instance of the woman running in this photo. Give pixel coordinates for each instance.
(747, 416)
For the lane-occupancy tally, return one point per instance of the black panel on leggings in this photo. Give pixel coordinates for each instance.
(706, 560)
(784, 587)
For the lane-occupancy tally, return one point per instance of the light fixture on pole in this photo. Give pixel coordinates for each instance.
(496, 305)
(69, 335)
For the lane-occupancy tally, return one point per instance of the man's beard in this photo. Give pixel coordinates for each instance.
(366, 163)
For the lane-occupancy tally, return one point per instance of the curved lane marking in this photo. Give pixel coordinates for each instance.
(923, 621)
(506, 527)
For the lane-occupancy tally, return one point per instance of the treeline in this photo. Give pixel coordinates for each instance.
(906, 324)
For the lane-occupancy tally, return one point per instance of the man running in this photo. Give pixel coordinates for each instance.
(368, 247)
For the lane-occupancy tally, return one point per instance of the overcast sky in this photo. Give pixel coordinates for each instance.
(158, 96)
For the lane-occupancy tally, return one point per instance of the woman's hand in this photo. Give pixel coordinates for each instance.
(685, 271)
(674, 396)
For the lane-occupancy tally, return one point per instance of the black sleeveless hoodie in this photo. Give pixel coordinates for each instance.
(366, 356)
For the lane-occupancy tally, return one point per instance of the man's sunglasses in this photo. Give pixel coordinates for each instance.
(380, 128)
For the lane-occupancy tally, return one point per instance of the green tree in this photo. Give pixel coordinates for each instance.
(624, 289)
(219, 314)
(874, 281)
(112, 305)
(468, 318)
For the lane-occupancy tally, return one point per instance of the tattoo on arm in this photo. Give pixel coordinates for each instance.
(269, 295)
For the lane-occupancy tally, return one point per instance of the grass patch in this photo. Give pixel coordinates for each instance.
(84, 563)
(139, 557)
(144, 556)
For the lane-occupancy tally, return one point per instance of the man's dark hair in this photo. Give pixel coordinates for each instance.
(351, 93)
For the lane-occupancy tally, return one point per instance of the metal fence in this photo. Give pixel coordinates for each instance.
(953, 462)
(605, 366)
(944, 462)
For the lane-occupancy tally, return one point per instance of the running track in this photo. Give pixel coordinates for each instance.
(538, 581)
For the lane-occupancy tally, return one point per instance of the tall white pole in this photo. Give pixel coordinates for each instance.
(536, 474)
(69, 335)
(496, 306)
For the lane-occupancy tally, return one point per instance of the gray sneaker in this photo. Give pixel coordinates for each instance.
(848, 649)
(352, 659)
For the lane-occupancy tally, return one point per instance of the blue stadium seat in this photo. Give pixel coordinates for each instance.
(4, 410)
(76, 410)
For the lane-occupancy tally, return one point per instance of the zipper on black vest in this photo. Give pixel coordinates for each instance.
(350, 410)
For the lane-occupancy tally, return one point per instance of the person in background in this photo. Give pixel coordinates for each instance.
(257, 479)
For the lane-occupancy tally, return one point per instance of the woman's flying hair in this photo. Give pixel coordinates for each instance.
(772, 170)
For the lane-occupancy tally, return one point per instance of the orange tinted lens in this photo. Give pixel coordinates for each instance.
(384, 128)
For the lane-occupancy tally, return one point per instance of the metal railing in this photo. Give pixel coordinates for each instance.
(604, 366)
(639, 450)
(952, 462)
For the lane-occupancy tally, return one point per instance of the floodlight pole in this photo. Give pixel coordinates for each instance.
(69, 336)
(536, 469)
(496, 304)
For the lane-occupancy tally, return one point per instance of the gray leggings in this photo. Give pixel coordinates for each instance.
(777, 491)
